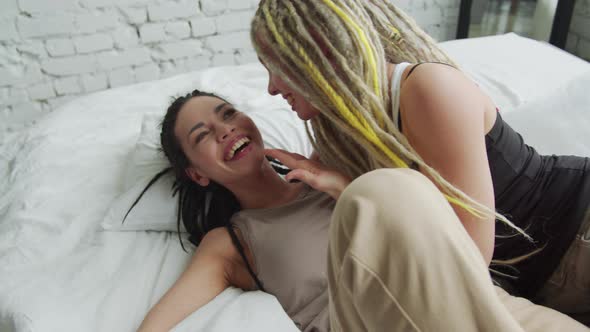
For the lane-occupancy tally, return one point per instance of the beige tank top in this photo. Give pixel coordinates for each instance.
(289, 245)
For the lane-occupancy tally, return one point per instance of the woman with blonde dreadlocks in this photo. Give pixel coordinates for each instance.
(379, 93)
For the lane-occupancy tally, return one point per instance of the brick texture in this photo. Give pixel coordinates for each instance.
(54, 51)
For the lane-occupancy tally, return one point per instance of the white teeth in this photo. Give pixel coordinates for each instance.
(236, 146)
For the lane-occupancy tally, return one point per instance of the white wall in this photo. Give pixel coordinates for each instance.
(54, 50)
(578, 41)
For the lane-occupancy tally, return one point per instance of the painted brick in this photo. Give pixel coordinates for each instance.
(45, 106)
(110, 3)
(36, 6)
(33, 47)
(8, 30)
(129, 57)
(224, 59)
(246, 57)
(152, 32)
(8, 8)
(97, 21)
(203, 27)
(93, 43)
(125, 37)
(60, 47)
(198, 63)
(10, 75)
(148, 72)
(94, 82)
(6, 126)
(172, 10)
(9, 55)
(214, 7)
(41, 91)
(233, 22)
(25, 112)
(178, 30)
(232, 40)
(15, 96)
(62, 24)
(67, 85)
(69, 65)
(168, 69)
(20, 75)
(182, 49)
(58, 102)
(32, 74)
(120, 77)
(134, 15)
(239, 4)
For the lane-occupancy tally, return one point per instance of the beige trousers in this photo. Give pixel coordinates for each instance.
(400, 260)
(568, 288)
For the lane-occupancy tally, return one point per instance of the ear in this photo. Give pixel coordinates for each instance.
(194, 175)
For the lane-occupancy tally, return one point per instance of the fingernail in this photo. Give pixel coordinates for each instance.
(271, 159)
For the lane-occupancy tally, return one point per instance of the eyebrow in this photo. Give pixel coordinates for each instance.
(201, 124)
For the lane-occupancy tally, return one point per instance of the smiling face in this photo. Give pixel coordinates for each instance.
(221, 143)
(298, 103)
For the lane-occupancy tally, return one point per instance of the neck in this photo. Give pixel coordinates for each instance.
(264, 189)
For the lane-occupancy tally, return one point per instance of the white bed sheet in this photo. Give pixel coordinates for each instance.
(59, 273)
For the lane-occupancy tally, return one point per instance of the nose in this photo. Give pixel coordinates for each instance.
(224, 132)
(272, 89)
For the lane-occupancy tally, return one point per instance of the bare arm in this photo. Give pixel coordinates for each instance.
(211, 270)
(444, 120)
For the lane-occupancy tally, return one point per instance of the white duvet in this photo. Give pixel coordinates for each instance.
(59, 272)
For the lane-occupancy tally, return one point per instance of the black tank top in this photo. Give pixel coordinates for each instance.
(547, 196)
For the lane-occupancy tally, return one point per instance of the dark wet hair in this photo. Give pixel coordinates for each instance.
(201, 209)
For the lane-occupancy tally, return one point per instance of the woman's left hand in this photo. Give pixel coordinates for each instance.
(312, 172)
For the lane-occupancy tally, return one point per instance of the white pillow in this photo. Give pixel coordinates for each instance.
(157, 209)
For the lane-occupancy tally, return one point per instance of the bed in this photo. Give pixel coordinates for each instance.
(61, 270)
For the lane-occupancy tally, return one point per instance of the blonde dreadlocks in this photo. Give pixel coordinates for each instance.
(305, 41)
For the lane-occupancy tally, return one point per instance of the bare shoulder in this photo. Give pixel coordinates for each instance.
(435, 83)
(218, 241)
(439, 94)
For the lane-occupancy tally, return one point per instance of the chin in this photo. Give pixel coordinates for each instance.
(306, 115)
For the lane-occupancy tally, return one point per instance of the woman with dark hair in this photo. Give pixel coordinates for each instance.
(390, 263)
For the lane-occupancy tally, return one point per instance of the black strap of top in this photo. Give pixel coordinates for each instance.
(421, 63)
(238, 245)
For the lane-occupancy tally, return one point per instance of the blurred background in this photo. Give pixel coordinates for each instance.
(52, 51)
(533, 19)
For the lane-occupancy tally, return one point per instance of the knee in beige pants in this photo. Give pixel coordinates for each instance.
(400, 260)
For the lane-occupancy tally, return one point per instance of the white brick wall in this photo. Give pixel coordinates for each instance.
(578, 41)
(52, 51)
